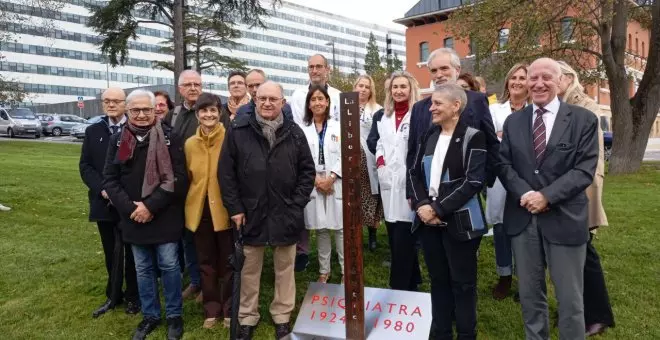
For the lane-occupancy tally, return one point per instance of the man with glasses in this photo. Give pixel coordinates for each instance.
(184, 123)
(101, 210)
(318, 70)
(146, 180)
(253, 80)
(266, 174)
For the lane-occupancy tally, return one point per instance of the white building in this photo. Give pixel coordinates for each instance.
(67, 64)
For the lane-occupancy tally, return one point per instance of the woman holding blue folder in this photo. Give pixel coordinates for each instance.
(449, 172)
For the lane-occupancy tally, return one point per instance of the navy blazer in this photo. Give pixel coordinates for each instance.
(250, 108)
(566, 170)
(476, 115)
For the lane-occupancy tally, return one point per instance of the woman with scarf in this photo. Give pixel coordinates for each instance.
(145, 179)
(238, 95)
(372, 208)
(206, 216)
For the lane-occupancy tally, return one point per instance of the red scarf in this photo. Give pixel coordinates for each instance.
(400, 111)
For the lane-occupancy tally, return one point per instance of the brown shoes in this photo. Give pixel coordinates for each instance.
(210, 323)
(190, 291)
(596, 329)
(503, 288)
(323, 278)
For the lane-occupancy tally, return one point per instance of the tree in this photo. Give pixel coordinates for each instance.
(118, 21)
(341, 81)
(592, 39)
(203, 33)
(355, 69)
(372, 62)
(394, 64)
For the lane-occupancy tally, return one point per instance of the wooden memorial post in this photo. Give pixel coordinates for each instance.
(350, 167)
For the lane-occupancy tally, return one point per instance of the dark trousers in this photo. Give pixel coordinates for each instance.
(452, 268)
(213, 251)
(404, 269)
(597, 308)
(124, 269)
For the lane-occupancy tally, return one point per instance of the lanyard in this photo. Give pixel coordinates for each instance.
(321, 140)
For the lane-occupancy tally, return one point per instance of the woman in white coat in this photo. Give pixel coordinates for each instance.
(324, 212)
(514, 98)
(393, 127)
(372, 208)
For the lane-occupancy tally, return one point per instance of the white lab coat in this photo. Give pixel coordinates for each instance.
(325, 212)
(393, 146)
(298, 104)
(366, 119)
(496, 196)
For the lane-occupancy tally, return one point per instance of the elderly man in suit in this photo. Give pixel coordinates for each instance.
(548, 158)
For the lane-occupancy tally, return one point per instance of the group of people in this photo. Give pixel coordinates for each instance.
(177, 184)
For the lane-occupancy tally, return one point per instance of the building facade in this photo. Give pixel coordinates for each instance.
(63, 63)
(426, 30)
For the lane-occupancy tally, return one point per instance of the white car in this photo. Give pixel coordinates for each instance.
(19, 122)
(78, 131)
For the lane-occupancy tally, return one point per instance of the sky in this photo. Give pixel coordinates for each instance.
(380, 12)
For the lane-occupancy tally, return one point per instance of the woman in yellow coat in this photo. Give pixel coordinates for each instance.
(206, 216)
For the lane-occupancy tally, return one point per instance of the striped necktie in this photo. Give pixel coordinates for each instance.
(539, 135)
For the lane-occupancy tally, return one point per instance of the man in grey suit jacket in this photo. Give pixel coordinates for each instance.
(548, 158)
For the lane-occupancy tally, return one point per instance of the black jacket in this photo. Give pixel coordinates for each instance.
(467, 177)
(250, 109)
(186, 122)
(372, 139)
(270, 186)
(92, 161)
(476, 115)
(123, 183)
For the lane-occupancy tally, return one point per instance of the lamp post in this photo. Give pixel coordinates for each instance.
(107, 71)
(332, 43)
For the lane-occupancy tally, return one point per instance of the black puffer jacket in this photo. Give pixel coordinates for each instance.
(123, 183)
(271, 186)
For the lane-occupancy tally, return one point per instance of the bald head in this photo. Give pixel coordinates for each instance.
(114, 104)
(543, 81)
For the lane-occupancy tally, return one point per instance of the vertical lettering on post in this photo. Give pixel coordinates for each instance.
(353, 276)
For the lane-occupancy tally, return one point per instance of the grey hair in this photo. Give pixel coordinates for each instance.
(187, 73)
(452, 92)
(257, 70)
(141, 93)
(455, 59)
(272, 83)
(325, 60)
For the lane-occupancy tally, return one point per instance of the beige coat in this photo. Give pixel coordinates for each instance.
(594, 192)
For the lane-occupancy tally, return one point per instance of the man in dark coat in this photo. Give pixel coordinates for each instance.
(253, 80)
(146, 179)
(445, 66)
(267, 174)
(101, 211)
(184, 123)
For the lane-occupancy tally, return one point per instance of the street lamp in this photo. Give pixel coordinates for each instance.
(332, 43)
(106, 61)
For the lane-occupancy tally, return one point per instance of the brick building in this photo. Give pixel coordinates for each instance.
(427, 31)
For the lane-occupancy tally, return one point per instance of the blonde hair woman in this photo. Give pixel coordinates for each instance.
(391, 149)
(514, 98)
(372, 209)
(598, 314)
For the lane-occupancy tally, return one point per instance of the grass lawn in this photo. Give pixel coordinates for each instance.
(52, 274)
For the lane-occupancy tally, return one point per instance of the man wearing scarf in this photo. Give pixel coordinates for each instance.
(267, 174)
(146, 180)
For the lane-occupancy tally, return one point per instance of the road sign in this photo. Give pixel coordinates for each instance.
(80, 99)
(81, 104)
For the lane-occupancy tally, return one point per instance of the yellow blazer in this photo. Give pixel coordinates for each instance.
(202, 154)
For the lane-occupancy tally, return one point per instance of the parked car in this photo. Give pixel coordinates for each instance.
(78, 131)
(59, 124)
(19, 122)
(607, 136)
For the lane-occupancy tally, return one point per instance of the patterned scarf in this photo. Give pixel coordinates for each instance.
(233, 104)
(269, 127)
(158, 169)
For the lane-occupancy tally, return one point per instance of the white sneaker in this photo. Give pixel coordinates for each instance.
(4, 208)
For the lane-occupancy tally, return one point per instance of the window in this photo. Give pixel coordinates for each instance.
(449, 43)
(423, 52)
(567, 27)
(503, 39)
(636, 46)
(629, 42)
(643, 50)
(473, 47)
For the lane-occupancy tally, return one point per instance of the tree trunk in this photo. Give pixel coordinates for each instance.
(177, 37)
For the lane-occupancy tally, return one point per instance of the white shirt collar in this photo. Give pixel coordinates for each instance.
(552, 107)
(121, 122)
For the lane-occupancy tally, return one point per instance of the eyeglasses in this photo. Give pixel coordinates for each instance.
(317, 67)
(136, 111)
(191, 85)
(112, 101)
(269, 99)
